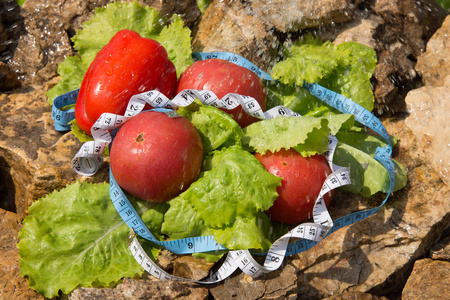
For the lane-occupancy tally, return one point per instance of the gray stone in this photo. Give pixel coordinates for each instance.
(434, 65)
(429, 279)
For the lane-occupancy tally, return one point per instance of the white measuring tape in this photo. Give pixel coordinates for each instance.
(88, 160)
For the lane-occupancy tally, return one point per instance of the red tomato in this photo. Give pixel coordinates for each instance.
(129, 64)
(302, 181)
(223, 77)
(156, 157)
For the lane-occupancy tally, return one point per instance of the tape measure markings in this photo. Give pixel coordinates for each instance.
(310, 233)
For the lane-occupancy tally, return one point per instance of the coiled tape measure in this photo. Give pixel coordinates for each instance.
(89, 158)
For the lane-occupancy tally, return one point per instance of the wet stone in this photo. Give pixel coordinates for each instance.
(434, 65)
(34, 158)
(234, 28)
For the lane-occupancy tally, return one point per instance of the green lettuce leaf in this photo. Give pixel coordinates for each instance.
(306, 60)
(352, 76)
(176, 39)
(71, 74)
(297, 99)
(345, 68)
(75, 237)
(226, 201)
(307, 135)
(356, 151)
(216, 128)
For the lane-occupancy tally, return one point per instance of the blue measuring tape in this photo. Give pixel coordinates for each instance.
(207, 243)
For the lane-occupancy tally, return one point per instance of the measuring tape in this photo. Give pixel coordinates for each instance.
(88, 159)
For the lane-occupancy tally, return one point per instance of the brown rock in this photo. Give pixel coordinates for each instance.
(144, 289)
(36, 157)
(430, 279)
(441, 251)
(434, 65)
(12, 284)
(355, 296)
(400, 40)
(233, 28)
(8, 79)
(291, 16)
(190, 267)
(428, 118)
(41, 48)
(279, 284)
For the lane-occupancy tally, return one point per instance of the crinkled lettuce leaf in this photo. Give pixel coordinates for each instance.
(307, 135)
(308, 60)
(297, 99)
(176, 39)
(105, 23)
(71, 74)
(75, 237)
(216, 128)
(226, 201)
(356, 151)
(345, 68)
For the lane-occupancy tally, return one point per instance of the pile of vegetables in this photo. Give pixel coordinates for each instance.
(74, 237)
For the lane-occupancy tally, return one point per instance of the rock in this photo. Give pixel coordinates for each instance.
(361, 30)
(280, 284)
(233, 28)
(434, 65)
(190, 267)
(441, 250)
(40, 48)
(429, 280)
(355, 296)
(291, 16)
(43, 40)
(12, 284)
(428, 117)
(144, 289)
(8, 79)
(35, 155)
(400, 39)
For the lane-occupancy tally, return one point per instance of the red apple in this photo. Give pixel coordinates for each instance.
(155, 157)
(302, 181)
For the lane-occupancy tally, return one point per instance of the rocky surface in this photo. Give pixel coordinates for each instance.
(402, 251)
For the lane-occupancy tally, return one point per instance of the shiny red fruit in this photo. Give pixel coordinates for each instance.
(129, 64)
(223, 77)
(302, 181)
(155, 157)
